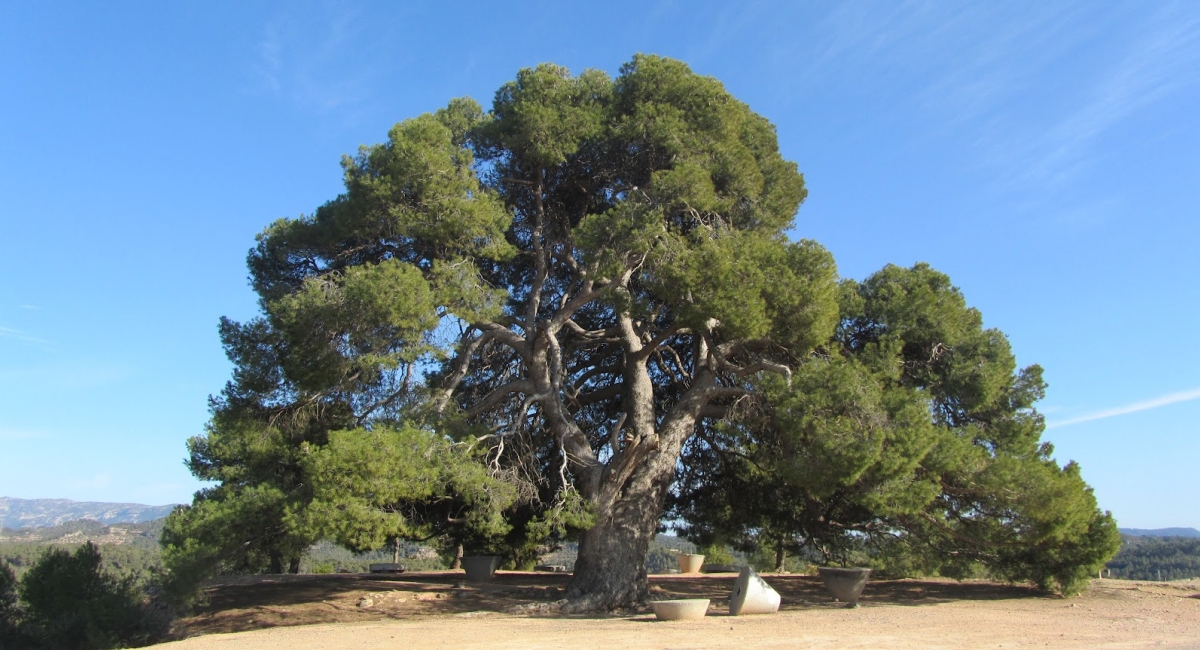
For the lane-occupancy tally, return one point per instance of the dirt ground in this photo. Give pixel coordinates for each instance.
(518, 610)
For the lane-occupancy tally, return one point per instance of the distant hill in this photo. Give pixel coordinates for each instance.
(1160, 532)
(40, 513)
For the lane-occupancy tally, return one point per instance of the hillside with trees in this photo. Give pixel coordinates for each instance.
(1157, 558)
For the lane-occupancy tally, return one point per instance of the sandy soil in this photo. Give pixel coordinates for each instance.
(436, 610)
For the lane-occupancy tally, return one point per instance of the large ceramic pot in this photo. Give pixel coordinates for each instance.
(690, 562)
(752, 595)
(480, 568)
(690, 609)
(845, 584)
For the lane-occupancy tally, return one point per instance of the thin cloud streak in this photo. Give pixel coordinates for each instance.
(8, 332)
(1160, 63)
(1165, 400)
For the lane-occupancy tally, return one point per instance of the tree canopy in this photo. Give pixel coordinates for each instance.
(511, 322)
(914, 436)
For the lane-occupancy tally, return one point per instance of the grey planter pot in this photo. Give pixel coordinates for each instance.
(845, 584)
(690, 562)
(480, 568)
(691, 609)
(387, 567)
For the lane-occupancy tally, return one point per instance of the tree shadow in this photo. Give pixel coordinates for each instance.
(254, 602)
(802, 592)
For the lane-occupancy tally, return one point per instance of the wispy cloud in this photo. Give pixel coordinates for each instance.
(1033, 88)
(1160, 61)
(18, 335)
(29, 307)
(1157, 402)
(321, 70)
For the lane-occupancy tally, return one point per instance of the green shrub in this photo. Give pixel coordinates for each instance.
(71, 602)
(716, 554)
(10, 615)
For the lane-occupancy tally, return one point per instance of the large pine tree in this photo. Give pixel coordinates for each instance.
(564, 289)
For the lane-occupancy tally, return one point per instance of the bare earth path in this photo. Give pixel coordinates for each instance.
(429, 611)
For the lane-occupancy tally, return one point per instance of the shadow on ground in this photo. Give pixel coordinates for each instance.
(254, 602)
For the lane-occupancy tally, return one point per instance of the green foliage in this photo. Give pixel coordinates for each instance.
(71, 602)
(229, 532)
(138, 563)
(10, 613)
(716, 554)
(901, 447)
(373, 486)
(1157, 558)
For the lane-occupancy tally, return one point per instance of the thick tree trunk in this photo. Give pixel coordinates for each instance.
(294, 564)
(610, 571)
(780, 558)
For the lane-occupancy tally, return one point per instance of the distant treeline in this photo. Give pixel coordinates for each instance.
(137, 557)
(1157, 558)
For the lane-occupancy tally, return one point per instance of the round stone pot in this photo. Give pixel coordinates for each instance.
(845, 584)
(480, 568)
(752, 595)
(690, 562)
(690, 609)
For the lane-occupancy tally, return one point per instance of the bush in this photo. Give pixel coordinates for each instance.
(71, 602)
(9, 614)
(716, 554)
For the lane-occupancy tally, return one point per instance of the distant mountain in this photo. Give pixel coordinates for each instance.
(1160, 532)
(39, 513)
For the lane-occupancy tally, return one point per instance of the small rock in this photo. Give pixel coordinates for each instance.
(366, 602)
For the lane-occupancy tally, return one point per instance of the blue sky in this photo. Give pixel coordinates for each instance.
(1044, 155)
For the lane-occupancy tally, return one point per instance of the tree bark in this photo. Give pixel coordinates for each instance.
(610, 571)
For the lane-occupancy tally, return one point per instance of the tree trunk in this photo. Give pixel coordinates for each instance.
(294, 564)
(396, 551)
(456, 563)
(610, 571)
(780, 558)
(276, 562)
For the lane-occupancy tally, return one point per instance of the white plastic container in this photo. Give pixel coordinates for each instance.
(752, 595)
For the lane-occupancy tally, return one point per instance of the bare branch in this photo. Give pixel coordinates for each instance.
(496, 396)
(466, 350)
(663, 337)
